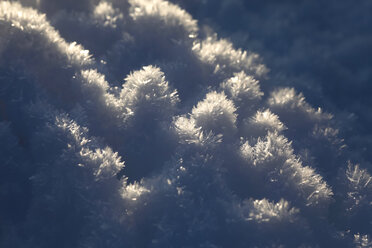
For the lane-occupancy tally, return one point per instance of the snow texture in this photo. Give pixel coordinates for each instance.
(132, 124)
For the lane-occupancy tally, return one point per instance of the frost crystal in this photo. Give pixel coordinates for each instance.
(147, 91)
(265, 211)
(215, 113)
(224, 58)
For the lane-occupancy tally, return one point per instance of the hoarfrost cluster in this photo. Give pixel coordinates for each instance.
(125, 124)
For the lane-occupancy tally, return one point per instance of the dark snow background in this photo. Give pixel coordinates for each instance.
(147, 123)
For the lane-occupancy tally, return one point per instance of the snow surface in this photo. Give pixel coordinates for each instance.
(132, 124)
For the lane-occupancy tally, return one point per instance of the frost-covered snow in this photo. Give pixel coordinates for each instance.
(128, 124)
